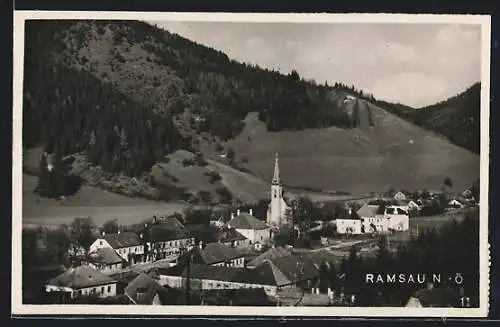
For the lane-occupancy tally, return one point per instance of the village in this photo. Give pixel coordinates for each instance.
(243, 260)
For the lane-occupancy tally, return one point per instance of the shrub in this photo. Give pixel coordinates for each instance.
(214, 176)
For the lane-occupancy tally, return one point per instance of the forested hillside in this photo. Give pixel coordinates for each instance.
(127, 96)
(456, 118)
(121, 90)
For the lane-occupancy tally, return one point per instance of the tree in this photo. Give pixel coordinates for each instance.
(82, 233)
(110, 227)
(448, 182)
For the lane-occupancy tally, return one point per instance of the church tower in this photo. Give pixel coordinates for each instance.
(277, 206)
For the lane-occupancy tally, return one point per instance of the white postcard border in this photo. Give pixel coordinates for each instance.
(16, 295)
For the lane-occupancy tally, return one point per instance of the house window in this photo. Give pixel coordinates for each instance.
(100, 242)
(102, 289)
(109, 289)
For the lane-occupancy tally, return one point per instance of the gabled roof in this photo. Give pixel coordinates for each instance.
(105, 256)
(215, 253)
(122, 240)
(322, 256)
(81, 277)
(262, 275)
(295, 268)
(230, 235)
(269, 254)
(368, 210)
(169, 229)
(143, 284)
(247, 221)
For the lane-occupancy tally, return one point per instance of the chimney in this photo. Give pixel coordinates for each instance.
(103, 233)
(238, 212)
(232, 215)
(250, 212)
(142, 293)
(350, 212)
(200, 244)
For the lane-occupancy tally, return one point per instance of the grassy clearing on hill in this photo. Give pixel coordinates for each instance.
(394, 153)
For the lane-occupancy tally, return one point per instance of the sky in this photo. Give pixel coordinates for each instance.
(413, 64)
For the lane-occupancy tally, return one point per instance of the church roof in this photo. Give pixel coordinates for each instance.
(247, 221)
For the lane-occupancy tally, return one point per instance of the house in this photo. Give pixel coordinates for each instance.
(213, 254)
(82, 280)
(167, 240)
(399, 196)
(105, 260)
(255, 230)
(272, 253)
(455, 204)
(203, 277)
(127, 244)
(293, 271)
(398, 218)
(271, 276)
(231, 237)
(349, 226)
(145, 290)
(433, 298)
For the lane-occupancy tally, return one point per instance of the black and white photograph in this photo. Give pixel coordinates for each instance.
(250, 164)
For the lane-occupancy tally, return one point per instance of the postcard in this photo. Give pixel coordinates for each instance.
(230, 164)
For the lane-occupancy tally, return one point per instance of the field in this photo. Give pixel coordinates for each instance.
(89, 202)
(394, 153)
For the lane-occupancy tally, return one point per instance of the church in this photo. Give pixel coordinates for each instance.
(277, 209)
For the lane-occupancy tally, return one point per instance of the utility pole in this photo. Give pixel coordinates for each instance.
(188, 278)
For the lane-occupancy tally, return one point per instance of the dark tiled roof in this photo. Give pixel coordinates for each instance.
(81, 277)
(322, 256)
(169, 229)
(368, 210)
(143, 284)
(269, 254)
(436, 297)
(295, 267)
(214, 253)
(122, 240)
(259, 276)
(106, 256)
(230, 235)
(247, 221)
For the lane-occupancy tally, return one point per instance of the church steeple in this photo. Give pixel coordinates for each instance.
(276, 176)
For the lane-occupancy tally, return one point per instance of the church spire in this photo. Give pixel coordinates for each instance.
(276, 176)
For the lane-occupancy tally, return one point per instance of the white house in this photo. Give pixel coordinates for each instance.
(398, 218)
(349, 226)
(255, 230)
(127, 244)
(455, 204)
(82, 280)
